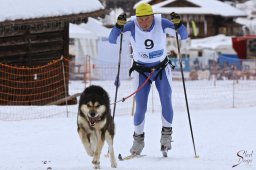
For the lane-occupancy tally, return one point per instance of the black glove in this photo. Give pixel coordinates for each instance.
(121, 21)
(175, 18)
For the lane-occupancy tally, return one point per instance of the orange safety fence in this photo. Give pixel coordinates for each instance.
(40, 85)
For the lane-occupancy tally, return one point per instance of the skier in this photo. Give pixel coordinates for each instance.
(147, 33)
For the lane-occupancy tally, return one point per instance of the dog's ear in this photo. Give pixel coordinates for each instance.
(106, 98)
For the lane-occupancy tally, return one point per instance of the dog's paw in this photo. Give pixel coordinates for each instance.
(96, 164)
(113, 164)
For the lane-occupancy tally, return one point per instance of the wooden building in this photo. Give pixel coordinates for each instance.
(32, 41)
(34, 34)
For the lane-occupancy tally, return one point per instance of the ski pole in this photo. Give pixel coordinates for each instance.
(185, 93)
(118, 71)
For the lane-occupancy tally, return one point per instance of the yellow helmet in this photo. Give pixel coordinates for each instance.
(144, 9)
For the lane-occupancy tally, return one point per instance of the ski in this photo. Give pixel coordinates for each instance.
(129, 157)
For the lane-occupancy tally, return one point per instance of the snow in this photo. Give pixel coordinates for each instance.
(250, 21)
(219, 134)
(27, 9)
(110, 19)
(249, 7)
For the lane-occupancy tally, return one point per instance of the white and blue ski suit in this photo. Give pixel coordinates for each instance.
(149, 51)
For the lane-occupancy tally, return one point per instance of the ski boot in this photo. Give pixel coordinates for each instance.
(166, 139)
(138, 144)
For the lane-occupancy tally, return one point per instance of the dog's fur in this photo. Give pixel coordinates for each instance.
(95, 123)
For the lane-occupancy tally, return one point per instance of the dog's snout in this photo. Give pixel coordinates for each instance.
(92, 114)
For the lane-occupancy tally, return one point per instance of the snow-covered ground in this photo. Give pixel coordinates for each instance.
(220, 136)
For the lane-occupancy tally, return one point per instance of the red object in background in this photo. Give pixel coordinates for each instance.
(240, 45)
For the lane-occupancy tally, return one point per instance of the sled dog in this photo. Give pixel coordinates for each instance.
(95, 123)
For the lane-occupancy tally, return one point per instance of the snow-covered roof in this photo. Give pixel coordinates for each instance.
(29, 9)
(206, 7)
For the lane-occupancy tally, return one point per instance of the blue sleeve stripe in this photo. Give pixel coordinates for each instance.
(167, 24)
(130, 26)
(115, 32)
